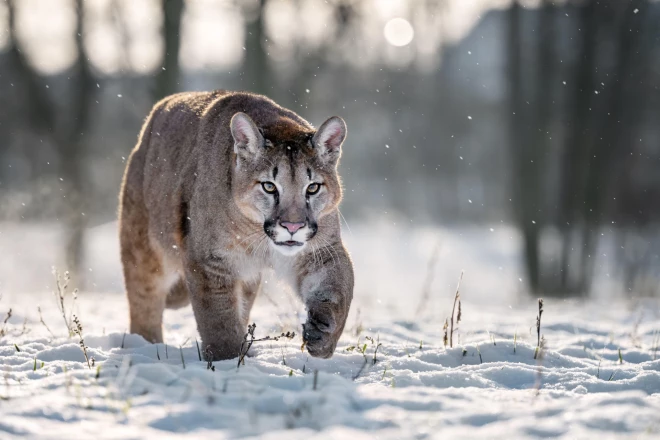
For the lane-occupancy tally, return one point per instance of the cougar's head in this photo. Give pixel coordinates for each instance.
(285, 177)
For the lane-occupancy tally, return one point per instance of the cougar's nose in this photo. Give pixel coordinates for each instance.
(292, 227)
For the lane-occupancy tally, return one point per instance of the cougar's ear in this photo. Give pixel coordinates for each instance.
(328, 139)
(247, 137)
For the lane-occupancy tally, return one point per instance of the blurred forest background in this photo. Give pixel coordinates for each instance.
(543, 115)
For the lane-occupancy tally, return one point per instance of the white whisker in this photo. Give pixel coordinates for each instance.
(328, 248)
(265, 251)
(255, 241)
(331, 246)
(261, 242)
(344, 218)
(249, 236)
(315, 263)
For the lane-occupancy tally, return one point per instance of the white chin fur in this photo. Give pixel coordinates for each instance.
(288, 251)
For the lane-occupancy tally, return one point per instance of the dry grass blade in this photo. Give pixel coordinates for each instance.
(208, 353)
(4, 323)
(249, 339)
(61, 284)
(378, 345)
(41, 319)
(457, 300)
(78, 329)
(538, 328)
(246, 344)
(655, 344)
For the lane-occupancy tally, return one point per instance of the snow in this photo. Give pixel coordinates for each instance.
(416, 389)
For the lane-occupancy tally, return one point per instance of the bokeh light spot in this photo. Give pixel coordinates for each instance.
(398, 32)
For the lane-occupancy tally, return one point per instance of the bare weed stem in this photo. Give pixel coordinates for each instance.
(457, 301)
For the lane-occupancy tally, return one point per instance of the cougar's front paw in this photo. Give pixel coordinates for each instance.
(319, 335)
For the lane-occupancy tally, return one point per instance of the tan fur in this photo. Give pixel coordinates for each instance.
(196, 224)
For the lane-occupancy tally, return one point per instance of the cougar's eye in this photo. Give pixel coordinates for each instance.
(313, 188)
(269, 187)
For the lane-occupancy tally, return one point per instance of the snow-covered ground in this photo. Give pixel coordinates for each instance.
(599, 376)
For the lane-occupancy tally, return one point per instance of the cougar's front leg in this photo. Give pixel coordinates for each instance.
(326, 285)
(215, 303)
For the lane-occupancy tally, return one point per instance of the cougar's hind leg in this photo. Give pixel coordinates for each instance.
(142, 276)
(143, 268)
(178, 295)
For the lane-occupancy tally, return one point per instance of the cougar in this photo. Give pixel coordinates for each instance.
(220, 187)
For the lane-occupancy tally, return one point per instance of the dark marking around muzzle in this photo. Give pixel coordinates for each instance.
(269, 227)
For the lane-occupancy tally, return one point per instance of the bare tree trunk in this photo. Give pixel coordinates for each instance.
(167, 81)
(68, 139)
(255, 67)
(524, 181)
(41, 112)
(575, 159)
(635, 259)
(611, 148)
(536, 216)
(72, 150)
(40, 115)
(615, 125)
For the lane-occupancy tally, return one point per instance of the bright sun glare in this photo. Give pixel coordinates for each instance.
(398, 32)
